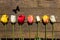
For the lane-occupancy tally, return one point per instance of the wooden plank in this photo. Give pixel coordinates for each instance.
(34, 7)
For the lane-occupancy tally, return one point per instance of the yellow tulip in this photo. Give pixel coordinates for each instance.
(4, 18)
(45, 19)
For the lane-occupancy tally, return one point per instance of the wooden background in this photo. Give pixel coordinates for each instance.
(34, 7)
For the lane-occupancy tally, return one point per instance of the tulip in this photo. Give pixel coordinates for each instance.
(45, 19)
(37, 18)
(30, 19)
(21, 19)
(52, 18)
(13, 18)
(4, 18)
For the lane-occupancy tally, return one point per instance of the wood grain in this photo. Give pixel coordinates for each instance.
(34, 7)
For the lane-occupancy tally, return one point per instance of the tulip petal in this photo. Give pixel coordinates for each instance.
(30, 19)
(45, 19)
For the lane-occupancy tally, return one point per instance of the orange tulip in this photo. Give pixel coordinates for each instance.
(45, 19)
(30, 19)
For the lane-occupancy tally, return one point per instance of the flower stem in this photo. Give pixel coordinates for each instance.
(13, 31)
(21, 34)
(37, 32)
(52, 31)
(6, 31)
(45, 32)
(29, 32)
(37, 38)
(37, 29)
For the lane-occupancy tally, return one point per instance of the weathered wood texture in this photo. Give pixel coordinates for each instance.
(34, 7)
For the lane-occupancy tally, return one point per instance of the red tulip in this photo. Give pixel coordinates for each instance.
(21, 19)
(30, 19)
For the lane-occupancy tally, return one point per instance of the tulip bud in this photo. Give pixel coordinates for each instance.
(30, 19)
(37, 18)
(13, 18)
(52, 18)
(45, 19)
(21, 19)
(4, 18)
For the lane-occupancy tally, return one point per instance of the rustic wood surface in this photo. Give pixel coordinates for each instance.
(34, 7)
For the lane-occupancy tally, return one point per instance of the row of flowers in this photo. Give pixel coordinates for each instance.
(30, 19)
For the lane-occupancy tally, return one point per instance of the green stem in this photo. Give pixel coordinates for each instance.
(29, 33)
(37, 38)
(52, 32)
(21, 34)
(37, 32)
(13, 31)
(6, 31)
(45, 32)
(37, 29)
